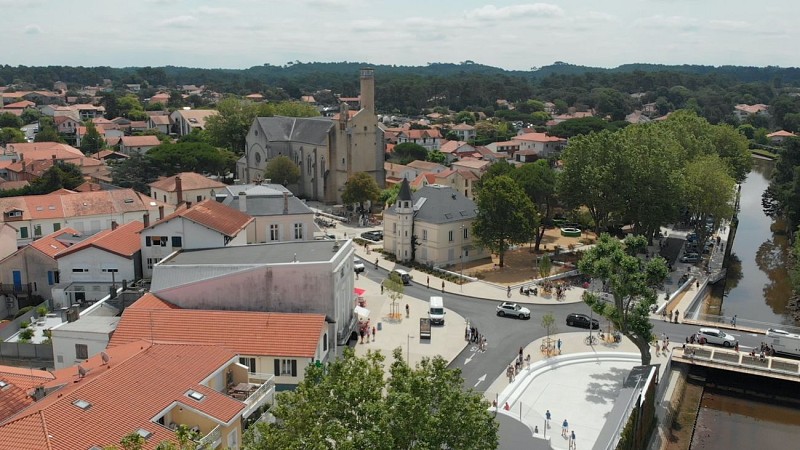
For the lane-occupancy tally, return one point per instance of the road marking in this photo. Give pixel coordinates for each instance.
(466, 361)
(480, 380)
(474, 348)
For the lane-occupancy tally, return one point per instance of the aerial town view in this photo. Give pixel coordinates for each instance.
(360, 225)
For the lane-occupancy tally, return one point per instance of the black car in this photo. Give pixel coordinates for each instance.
(582, 320)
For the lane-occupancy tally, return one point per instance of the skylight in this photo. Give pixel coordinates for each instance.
(82, 404)
(195, 395)
(3, 384)
(144, 433)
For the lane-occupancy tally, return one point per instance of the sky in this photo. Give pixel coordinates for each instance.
(509, 34)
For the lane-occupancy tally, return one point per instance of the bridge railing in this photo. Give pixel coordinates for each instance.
(727, 322)
(743, 360)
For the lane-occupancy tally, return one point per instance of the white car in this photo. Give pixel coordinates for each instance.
(513, 309)
(717, 337)
(358, 266)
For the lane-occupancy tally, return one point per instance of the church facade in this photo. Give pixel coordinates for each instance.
(328, 151)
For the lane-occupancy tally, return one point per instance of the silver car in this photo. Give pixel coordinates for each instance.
(514, 310)
(717, 337)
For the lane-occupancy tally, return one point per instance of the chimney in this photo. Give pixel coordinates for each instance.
(160, 212)
(243, 202)
(114, 225)
(23, 165)
(22, 156)
(146, 219)
(179, 188)
(285, 203)
(367, 96)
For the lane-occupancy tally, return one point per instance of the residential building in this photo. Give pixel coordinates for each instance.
(742, 111)
(35, 216)
(145, 388)
(283, 344)
(541, 144)
(186, 187)
(8, 240)
(184, 121)
(18, 383)
(278, 215)
(431, 139)
(780, 136)
(75, 342)
(159, 122)
(328, 150)
(207, 224)
(460, 180)
(476, 166)
(439, 219)
(33, 269)
(465, 131)
(90, 267)
(137, 144)
(454, 150)
(396, 172)
(310, 277)
(426, 166)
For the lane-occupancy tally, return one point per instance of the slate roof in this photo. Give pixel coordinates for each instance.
(268, 333)
(308, 130)
(264, 200)
(439, 204)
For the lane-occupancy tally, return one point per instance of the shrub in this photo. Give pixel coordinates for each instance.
(26, 334)
(42, 311)
(23, 311)
(24, 324)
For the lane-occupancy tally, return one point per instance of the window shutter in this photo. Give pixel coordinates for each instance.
(294, 367)
(147, 241)
(277, 367)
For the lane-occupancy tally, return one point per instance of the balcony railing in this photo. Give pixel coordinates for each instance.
(212, 440)
(263, 394)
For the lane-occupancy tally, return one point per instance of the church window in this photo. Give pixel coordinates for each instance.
(424, 235)
(257, 158)
(342, 160)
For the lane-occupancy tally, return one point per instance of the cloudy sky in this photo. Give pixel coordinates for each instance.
(509, 34)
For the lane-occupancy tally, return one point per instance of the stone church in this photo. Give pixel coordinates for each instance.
(327, 150)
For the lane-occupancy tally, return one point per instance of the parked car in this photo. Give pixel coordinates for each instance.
(582, 320)
(690, 258)
(514, 310)
(358, 266)
(717, 337)
(405, 277)
(372, 235)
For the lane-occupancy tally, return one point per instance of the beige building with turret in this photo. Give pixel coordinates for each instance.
(328, 150)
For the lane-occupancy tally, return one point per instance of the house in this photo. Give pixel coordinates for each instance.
(35, 216)
(426, 166)
(185, 186)
(20, 105)
(540, 144)
(507, 147)
(207, 224)
(283, 344)
(8, 240)
(159, 122)
(456, 149)
(74, 342)
(476, 166)
(137, 144)
(459, 179)
(742, 111)
(313, 277)
(161, 97)
(146, 388)
(18, 383)
(90, 267)
(184, 121)
(328, 150)
(33, 269)
(66, 125)
(439, 219)
(277, 214)
(431, 139)
(89, 111)
(489, 155)
(109, 155)
(780, 136)
(465, 131)
(256, 97)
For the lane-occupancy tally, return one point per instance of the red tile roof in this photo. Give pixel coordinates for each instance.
(268, 334)
(214, 215)
(141, 380)
(537, 137)
(50, 245)
(189, 181)
(150, 301)
(781, 133)
(124, 241)
(16, 396)
(140, 141)
(20, 105)
(159, 120)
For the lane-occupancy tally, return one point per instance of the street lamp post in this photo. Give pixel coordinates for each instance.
(461, 257)
(408, 350)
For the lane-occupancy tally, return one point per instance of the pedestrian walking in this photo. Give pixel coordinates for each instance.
(677, 314)
(429, 282)
(547, 418)
(442, 285)
(361, 333)
(564, 428)
(736, 347)
(558, 344)
(408, 311)
(381, 288)
(374, 332)
(733, 320)
(572, 444)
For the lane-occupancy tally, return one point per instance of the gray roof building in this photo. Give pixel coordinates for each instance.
(438, 204)
(263, 200)
(308, 130)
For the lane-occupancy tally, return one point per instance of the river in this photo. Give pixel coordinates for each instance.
(757, 287)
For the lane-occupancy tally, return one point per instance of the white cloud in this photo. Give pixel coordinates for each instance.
(333, 3)
(33, 29)
(178, 22)
(728, 25)
(679, 23)
(222, 12)
(491, 12)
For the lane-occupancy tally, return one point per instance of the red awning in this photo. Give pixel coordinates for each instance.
(360, 292)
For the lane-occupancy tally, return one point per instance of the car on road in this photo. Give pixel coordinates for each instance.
(372, 235)
(514, 310)
(582, 320)
(404, 276)
(690, 258)
(358, 266)
(717, 337)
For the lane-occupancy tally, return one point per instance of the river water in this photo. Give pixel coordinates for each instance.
(757, 287)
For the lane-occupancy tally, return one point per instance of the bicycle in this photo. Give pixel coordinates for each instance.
(590, 340)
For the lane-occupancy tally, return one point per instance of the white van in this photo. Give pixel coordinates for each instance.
(784, 342)
(436, 310)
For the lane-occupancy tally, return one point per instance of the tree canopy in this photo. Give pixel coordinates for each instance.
(420, 407)
(406, 152)
(282, 170)
(361, 188)
(506, 216)
(11, 136)
(191, 157)
(92, 141)
(631, 282)
(538, 180)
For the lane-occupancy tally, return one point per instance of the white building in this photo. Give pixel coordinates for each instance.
(540, 144)
(75, 342)
(207, 224)
(439, 219)
(185, 186)
(309, 277)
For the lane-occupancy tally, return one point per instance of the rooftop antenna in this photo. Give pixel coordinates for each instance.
(104, 356)
(81, 371)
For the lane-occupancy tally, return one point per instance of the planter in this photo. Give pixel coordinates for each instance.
(571, 232)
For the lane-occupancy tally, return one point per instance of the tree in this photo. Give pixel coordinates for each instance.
(283, 170)
(191, 157)
(631, 282)
(506, 216)
(575, 127)
(437, 157)
(389, 195)
(8, 120)
(538, 180)
(58, 176)
(395, 289)
(92, 141)
(549, 323)
(544, 266)
(360, 188)
(709, 192)
(465, 117)
(409, 151)
(228, 129)
(30, 115)
(130, 107)
(47, 131)
(11, 136)
(136, 172)
(421, 407)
